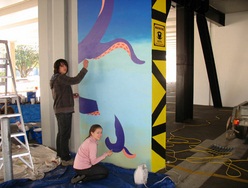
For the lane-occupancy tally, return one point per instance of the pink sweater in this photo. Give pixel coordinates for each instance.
(87, 154)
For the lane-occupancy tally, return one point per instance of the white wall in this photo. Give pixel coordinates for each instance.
(76, 140)
(230, 50)
(57, 39)
(46, 58)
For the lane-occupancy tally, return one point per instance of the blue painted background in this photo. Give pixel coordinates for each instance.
(121, 88)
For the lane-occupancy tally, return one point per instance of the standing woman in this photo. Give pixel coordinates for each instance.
(86, 162)
(63, 105)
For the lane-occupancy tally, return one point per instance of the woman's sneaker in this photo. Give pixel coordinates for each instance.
(77, 178)
(67, 163)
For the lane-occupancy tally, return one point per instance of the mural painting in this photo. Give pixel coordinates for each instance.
(115, 36)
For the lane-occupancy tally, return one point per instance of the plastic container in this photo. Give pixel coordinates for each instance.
(37, 135)
(30, 95)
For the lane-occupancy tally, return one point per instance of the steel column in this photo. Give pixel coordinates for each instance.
(6, 149)
(209, 59)
(185, 63)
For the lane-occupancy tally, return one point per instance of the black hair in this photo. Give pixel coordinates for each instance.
(58, 63)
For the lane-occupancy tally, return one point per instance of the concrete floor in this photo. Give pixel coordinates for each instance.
(190, 162)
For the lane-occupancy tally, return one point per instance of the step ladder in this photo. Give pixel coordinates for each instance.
(7, 80)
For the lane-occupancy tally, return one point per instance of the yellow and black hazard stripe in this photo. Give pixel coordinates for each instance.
(158, 84)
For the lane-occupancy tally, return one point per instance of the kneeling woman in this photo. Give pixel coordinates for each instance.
(86, 163)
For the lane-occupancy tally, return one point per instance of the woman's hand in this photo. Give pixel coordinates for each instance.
(109, 152)
(86, 63)
(75, 95)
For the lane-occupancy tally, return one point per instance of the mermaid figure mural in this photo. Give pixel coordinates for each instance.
(91, 48)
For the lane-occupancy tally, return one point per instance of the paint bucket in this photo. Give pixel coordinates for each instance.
(37, 135)
(30, 95)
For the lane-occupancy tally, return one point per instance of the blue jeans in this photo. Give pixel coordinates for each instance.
(64, 134)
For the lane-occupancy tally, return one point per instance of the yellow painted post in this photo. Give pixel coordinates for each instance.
(158, 85)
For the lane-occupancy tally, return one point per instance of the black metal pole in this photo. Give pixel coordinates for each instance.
(185, 63)
(209, 59)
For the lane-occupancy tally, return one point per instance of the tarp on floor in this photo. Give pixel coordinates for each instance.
(47, 173)
(118, 178)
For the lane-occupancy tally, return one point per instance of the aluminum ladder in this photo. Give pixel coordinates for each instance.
(7, 77)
